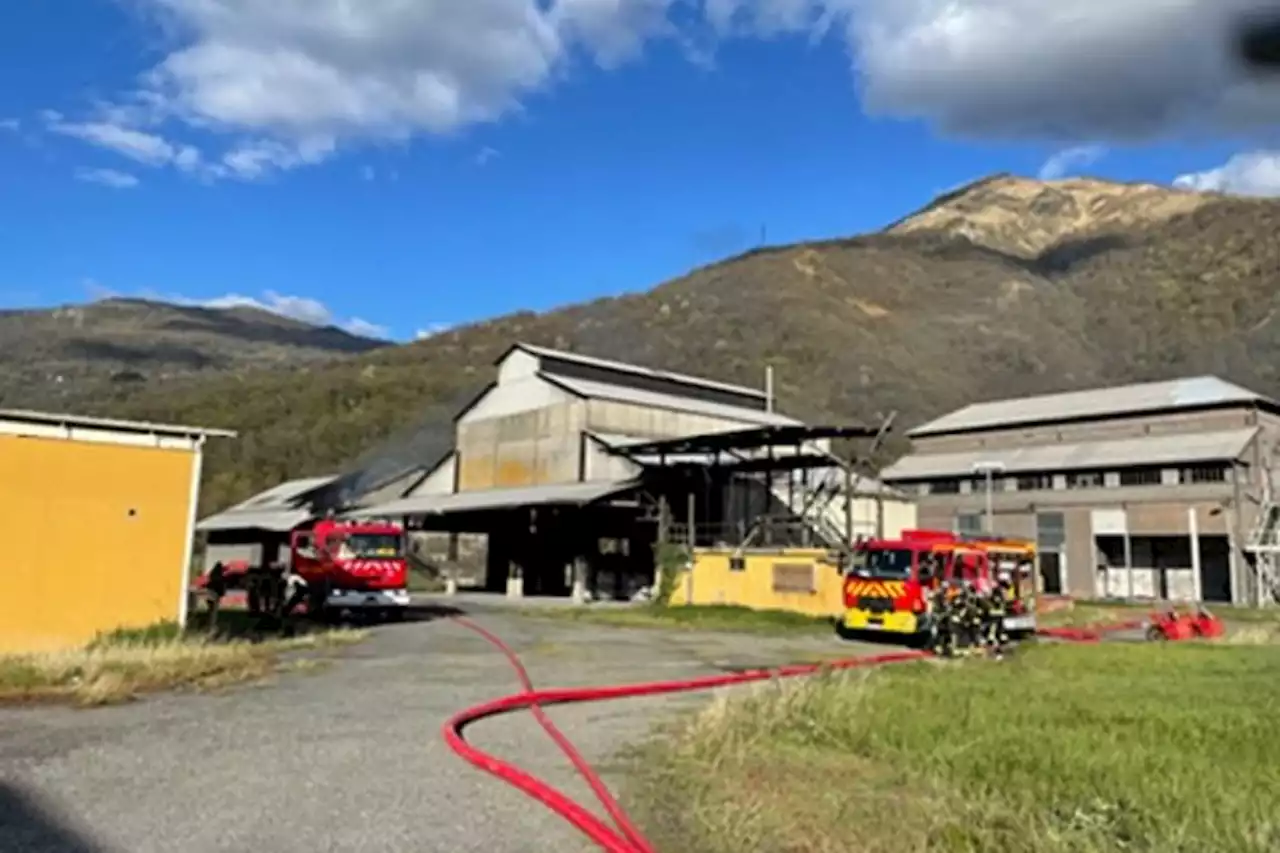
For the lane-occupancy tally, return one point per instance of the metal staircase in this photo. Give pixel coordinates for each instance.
(1264, 544)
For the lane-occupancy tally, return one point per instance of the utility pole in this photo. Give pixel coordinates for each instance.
(768, 388)
(989, 470)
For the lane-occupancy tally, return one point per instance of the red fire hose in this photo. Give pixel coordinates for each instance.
(627, 838)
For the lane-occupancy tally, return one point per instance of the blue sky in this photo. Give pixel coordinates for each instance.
(395, 171)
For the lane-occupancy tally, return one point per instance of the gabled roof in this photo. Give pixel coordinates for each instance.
(278, 509)
(1147, 397)
(592, 390)
(1174, 449)
(553, 355)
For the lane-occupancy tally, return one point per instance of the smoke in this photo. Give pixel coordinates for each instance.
(423, 443)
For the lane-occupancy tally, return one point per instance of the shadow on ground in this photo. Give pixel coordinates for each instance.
(29, 827)
(242, 625)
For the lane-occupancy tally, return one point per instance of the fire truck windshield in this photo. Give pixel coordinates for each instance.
(369, 546)
(885, 563)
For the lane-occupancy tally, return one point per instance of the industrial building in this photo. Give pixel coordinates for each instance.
(98, 517)
(574, 466)
(257, 530)
(1160, 490)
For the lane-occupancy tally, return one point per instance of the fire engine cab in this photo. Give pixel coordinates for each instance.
(352, 566)
(888, 585)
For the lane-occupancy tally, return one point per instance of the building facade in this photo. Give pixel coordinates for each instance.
(1148, 491)
(97, 517)
(536, 467)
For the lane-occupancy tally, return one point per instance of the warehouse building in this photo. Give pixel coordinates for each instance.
(1159, 490)
(98, 516)
(543, 464)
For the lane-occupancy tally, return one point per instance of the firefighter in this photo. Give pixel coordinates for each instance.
(942, 630)
(997, 606)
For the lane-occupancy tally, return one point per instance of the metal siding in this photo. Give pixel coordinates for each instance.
(534, 447)
(1171, 450)
(439, 481)
(513, 395)
(77, 562)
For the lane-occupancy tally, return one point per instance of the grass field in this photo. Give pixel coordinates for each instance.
(701, 618)
(1099, 749)
(120, 666)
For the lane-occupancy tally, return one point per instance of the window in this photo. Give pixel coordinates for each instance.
(1050, 530)
(737, 564)
(367, 546)
(1203, 474)
(969, 523)
(1035, 482)
(945, 487)
(1085, 480)
(892, 563)
(1140, 477)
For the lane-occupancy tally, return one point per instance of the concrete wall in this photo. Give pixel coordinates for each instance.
(97, 537)
(712, 580)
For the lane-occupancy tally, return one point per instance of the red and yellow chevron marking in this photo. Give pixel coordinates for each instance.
(861, 588)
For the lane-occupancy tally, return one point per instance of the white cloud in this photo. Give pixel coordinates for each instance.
(10, 124)
(1070, 159)
(107, 178)
(301, 308)
(146, 148)
(291, 82)
(432, 331)
(485, 154)
(1256, 173)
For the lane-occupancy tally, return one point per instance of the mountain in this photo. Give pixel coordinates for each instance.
(1006, 287)
(61, 357)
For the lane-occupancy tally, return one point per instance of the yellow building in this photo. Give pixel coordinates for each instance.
(97, 518)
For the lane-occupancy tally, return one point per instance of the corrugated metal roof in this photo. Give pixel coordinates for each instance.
(637, 370)
(275, 509)
(277, 521)
(146, 427)
(1149, 450)
(494, 499)
(1124, 399)
(618, 393)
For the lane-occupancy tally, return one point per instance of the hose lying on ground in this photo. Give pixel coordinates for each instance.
(627, 838)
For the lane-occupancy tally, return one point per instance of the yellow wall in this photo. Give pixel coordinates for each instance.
(94, 538)
(714, 583)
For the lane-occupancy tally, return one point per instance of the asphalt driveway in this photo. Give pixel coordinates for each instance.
(349, 758)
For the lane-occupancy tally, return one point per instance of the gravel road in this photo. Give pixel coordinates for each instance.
(348, 758)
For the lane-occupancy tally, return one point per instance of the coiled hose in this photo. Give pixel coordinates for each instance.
(626, 837)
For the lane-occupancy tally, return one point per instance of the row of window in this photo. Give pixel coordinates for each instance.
(1043, 482)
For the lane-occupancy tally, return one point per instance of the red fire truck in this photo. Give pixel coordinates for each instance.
(340, 565)
(352, 565)
(888, 585)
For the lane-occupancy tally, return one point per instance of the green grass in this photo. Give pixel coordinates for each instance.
(1061, 749)
(701, 618)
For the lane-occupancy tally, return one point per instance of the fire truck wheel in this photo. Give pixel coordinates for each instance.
(1155, 635)
(844, 632)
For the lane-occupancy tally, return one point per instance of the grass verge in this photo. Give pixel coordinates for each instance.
(1120, 747)
(700, 618)
(121, 666)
